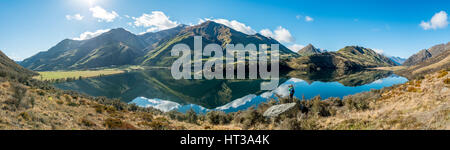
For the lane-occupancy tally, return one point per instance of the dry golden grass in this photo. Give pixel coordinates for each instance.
(418, 104)
(409, 106)
(434, 65)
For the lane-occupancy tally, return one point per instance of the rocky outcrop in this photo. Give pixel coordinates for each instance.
(278, 110)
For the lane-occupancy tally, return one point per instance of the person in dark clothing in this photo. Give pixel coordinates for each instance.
(291, 92)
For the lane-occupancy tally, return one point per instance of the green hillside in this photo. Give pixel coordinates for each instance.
(348, 58)
(9, 69)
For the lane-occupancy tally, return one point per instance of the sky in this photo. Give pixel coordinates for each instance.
(392, 27)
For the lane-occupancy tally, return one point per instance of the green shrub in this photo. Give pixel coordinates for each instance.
(360, 101)
(88, 123)
(319, 107)
(191, 116)
(442, 73)
(175, 115)
(290, 124)
(159, 123)
(18, 100)
(117, 124)
(25, 115)
(218, 117)
(250, 118)
(447, 81)
(73, 104)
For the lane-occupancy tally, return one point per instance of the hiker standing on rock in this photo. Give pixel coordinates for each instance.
(291, 92)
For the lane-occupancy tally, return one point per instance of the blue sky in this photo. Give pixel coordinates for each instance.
(398, 28)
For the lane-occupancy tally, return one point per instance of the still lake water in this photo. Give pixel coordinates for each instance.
(156, 88)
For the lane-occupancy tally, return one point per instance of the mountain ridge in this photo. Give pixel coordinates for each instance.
(10, 69)
(120, 47)
(347, 58)
(425, 54)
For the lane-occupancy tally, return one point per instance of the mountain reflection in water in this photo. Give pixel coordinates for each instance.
(156, 88)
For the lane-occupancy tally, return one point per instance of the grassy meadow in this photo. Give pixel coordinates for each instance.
(52, 75)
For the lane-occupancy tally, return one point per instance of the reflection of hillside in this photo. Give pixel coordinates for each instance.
(346, 78)
(160, 84)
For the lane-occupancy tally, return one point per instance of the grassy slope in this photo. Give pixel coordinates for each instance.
(418, 104)
(53, 109)
(433, 64)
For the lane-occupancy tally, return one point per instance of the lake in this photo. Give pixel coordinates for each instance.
(156, 88)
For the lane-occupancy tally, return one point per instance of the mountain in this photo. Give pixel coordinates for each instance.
(115, 47)
(154, 39)
(211, 32)
(308, 50)
(348, 58)
(440, 60)
(120, 47)
(397, 60)
(8, 68)
(425, 54)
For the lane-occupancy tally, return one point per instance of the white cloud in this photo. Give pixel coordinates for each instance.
(439, 20)
(102, 14)
(295, 47)
(159, 104)
(266, 32)
(280, 34)
(238, 102)
(309, 19)
(89, 35)
(74, 17)
(379, 51)
(236, 25)
(156, 21)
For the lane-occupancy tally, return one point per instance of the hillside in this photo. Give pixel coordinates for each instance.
(116, 47)
(119, 47)
(8, 68)
(435, 63)
(348, 58)
(154, 39)
(418, 104)
(211, 32)
(425, 54)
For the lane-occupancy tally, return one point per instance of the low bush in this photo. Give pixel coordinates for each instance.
(447, 81)
(117, 124)
(218, 117)
(413, 89)
(360, 101)
(18, 100)
(249, 118)
(159, 123)
(290, 124)
(88, 123)
(191, 116)
(442, 73)
(175, 115)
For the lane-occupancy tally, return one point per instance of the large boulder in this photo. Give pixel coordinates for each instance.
(277, 110)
